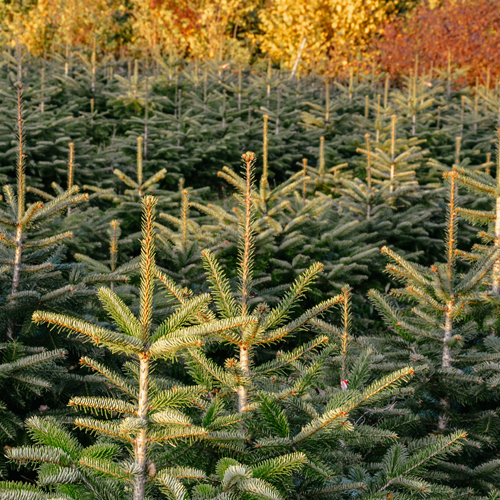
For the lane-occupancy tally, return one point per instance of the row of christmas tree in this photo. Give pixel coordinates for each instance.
(231, 359)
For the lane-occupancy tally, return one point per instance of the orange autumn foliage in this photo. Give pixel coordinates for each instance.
(467, 30)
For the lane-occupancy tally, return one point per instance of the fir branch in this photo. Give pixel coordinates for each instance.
(116, 342)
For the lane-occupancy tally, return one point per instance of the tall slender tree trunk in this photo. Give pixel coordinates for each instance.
(446, 363)
(393, 152)
(448, 330)
(369, 175)
(496, 266)
(141, 440)
(146, 112)
(16, 275)
(242, 391)
(16, 272)
(246, 274)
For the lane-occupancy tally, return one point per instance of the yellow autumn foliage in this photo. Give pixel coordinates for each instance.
(49, 23)
(200, 28)
(335, 29)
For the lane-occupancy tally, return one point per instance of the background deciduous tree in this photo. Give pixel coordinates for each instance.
(465, 32)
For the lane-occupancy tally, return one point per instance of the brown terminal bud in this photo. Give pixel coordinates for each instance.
(248, 156)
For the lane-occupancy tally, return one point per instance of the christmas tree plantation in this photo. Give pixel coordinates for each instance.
(184, 318)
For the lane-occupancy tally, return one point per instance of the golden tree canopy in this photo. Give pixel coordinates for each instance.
(337, 29)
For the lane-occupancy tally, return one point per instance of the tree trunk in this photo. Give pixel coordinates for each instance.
(446, 363)
(242, 391)
(448, 330)
(16, 273)
(496, 266)
(141, 440)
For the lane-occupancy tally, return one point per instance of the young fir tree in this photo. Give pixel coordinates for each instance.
(180, 249)
(438, 332)
(416, 105)
(85, 223)
(395, 161)
(32, 257)
(121, 463)
(383, 469)
(400, 211)
(31, 271)
(128, 202)
(282, 406)
(364, 197)
(140, 187)
(295, 229)
(226, 302)
(108, 271)
(133, 91)
(322, 179)
(484, 184)
(27, 374)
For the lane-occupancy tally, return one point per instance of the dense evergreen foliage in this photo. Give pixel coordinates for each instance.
(247, 285)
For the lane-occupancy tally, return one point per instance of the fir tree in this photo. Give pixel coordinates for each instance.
(150, 414)
(108, 271)
(31, 256)
(484, 184)
(279, 394)
(436, 333)
(180, 249)
(27, 374)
